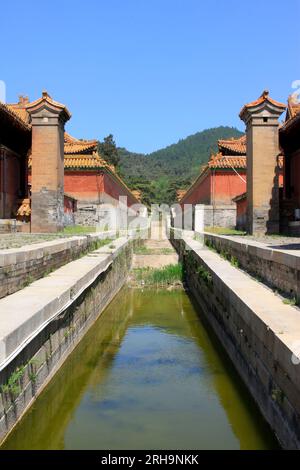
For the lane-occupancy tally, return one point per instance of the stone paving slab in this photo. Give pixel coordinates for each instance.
(24, 312)
(38, 250)
(273, 240)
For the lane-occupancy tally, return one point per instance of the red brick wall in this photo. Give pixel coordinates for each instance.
(201, 192)
(220, 187)
(226, 185)
(11, 181)
(115, 190)
(89, 185)
(84, 185)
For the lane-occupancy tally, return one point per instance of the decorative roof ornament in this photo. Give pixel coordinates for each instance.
(46, 103)
(263, 107)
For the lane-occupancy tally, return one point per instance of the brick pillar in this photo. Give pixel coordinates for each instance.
(261, 119)
(47, 175)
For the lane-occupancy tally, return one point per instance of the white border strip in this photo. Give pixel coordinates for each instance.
(17, 351)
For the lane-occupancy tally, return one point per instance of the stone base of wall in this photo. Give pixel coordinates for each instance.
(12, 226)
(44, 355)
(69, 219)
(219, 216)
(92, 215)
(86, 215)
(47, 210)
(262, 220)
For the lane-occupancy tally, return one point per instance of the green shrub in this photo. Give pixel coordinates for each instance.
(162, 276)
(205, 275)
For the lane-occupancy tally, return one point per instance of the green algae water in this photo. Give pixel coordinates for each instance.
(148, 375)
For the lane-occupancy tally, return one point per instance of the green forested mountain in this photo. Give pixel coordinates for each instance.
(160, 173)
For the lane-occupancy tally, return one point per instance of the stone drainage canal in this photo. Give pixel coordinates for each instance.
(149, 374)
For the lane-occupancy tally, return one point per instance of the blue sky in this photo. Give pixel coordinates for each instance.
(150, 71)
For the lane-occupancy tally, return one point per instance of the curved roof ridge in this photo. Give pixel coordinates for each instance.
(46, 97)
(235, 145)
(10, 111)
(265, 96)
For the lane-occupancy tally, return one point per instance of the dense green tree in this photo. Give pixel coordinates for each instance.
(108, 150)
(161, 188)
(181, 160)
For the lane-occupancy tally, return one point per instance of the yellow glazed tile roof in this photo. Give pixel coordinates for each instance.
(14, 115)
(137, 194)
(74, 146)
(180, 193)
(237, 146)
(224, 161)
(231, 161)
(86, 161)
(83, 161)
(24, 209)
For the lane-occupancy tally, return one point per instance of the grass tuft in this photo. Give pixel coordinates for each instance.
(143, 250)
(78, 229)
(224, 231)
(290, 301)
(164, 276)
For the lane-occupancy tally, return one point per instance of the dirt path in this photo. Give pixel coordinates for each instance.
(157, 250)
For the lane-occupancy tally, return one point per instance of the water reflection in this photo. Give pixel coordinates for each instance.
(147, 375)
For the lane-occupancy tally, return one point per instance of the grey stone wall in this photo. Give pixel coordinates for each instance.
(21, 266)
(259, 354)
(213, 216)
(10, 226)
(220, 216)
(93, 214)
(69, 219)
(275, 267)
(86, 215)
(47, 210)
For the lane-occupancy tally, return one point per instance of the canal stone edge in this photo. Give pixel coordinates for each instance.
(257, 330)
(96, 278)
